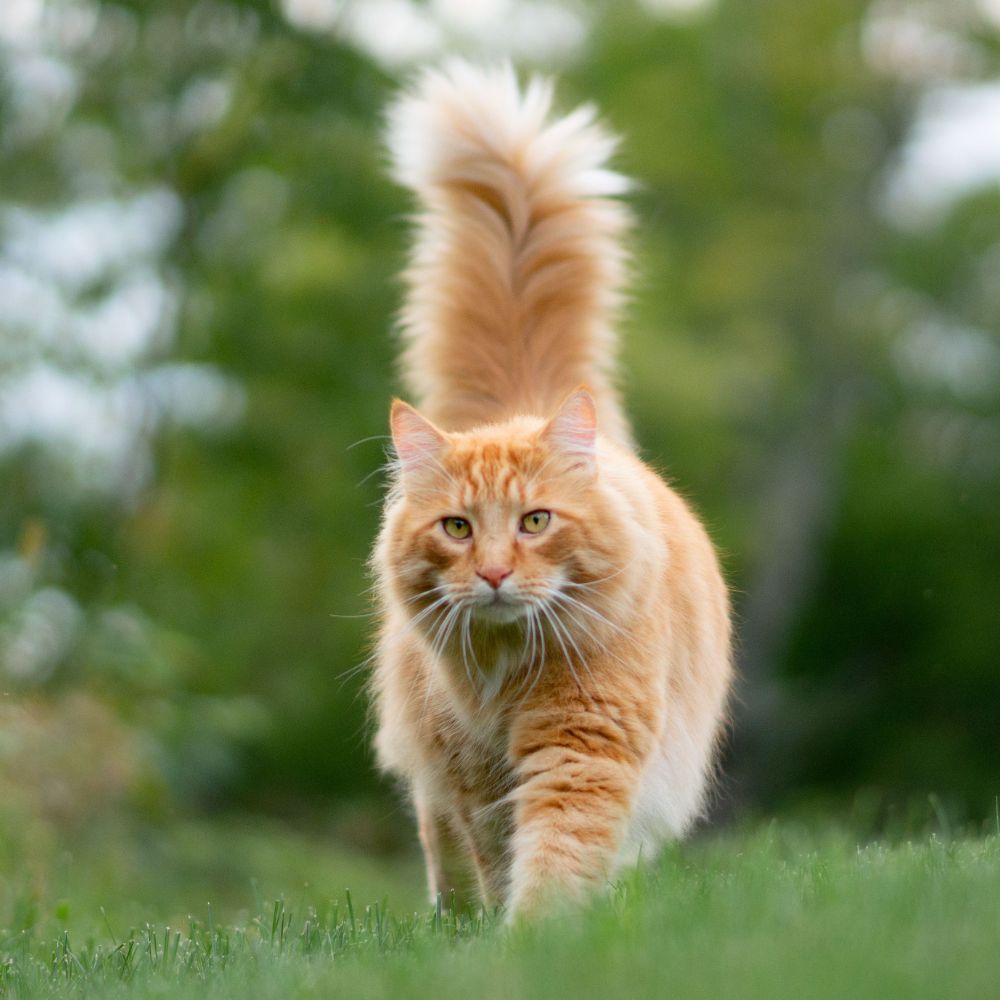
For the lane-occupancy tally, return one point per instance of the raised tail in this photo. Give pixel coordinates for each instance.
(518, 263)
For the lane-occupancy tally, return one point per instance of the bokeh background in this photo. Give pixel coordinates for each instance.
(198, 257)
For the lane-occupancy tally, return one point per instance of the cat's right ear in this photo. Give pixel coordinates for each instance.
(419, 444)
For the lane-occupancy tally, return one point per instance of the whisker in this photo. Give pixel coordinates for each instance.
(472, 648)
(529, 636)
(362, 614)
(570, 601)
(602, 645)
(410, 624)
(445, 630)
(589, 584)
(466, 642)
(541, 660)
(573, 643)
(557, 632)
(527, 658)
(387, 469)
(439, 589)
(443, 626)
(416, 619)
(374, 437)
(351, 672)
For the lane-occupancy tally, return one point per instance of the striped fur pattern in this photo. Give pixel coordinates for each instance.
(553, 660)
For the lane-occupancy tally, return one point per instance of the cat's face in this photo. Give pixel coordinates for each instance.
(499, 523)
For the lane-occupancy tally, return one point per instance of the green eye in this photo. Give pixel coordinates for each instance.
(457, 527)
(535, 522)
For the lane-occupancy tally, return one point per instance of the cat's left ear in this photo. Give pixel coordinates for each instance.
(573, 431)
(419, 444)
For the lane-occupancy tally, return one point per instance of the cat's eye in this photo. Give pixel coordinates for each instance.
(535, 522)
(457, 527)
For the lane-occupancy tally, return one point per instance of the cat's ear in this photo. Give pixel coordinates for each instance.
(419, 444)
(572, 432)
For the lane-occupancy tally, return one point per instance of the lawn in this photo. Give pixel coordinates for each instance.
(774, 912)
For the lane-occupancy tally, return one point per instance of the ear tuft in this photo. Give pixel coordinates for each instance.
(573, 430)
(418, 442)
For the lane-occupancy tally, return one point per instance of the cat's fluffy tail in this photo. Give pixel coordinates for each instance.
(518, 263)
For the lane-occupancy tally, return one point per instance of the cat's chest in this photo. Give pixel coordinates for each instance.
(473, 744)
(474, 752)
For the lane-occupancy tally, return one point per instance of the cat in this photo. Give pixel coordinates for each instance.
(553, 661)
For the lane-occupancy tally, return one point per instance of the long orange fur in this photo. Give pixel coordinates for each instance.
(552, 699)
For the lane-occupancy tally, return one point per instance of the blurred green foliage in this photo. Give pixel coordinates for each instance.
(821, 381)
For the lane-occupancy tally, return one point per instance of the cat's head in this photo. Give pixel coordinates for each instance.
(500, 520)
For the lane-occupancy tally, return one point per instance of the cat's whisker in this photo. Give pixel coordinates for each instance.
(591, 584)
(614, 605)
(563, 632)
(537, 672)
(483, 812)
(597, 641)
(385, 469)
(411, 623)
(440, 608)
(417, 619)
(529, 638)
(480, 673)
(575, 646)
(467, 647)
(365, 440)
(444, 607)
(527, 658)
(439, 589)
(444, 625)
(558, 632)
(351, 672)
(409, 600)
(569, 601)
(445, 630)
(581, 625)
(472, 648)
(541, 638)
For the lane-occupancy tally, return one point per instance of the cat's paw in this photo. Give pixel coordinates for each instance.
(543, 898)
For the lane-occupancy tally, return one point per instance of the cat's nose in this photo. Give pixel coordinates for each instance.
(494, 575)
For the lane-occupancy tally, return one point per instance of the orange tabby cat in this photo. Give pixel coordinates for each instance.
(554, 656)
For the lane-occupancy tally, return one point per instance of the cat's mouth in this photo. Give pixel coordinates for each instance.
(500, 608)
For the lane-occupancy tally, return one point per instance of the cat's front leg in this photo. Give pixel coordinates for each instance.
(579, 777)
(449, 865)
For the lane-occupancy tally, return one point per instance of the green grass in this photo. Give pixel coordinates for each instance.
(773, 913)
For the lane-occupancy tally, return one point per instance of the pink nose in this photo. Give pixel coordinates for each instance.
(494, 575)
